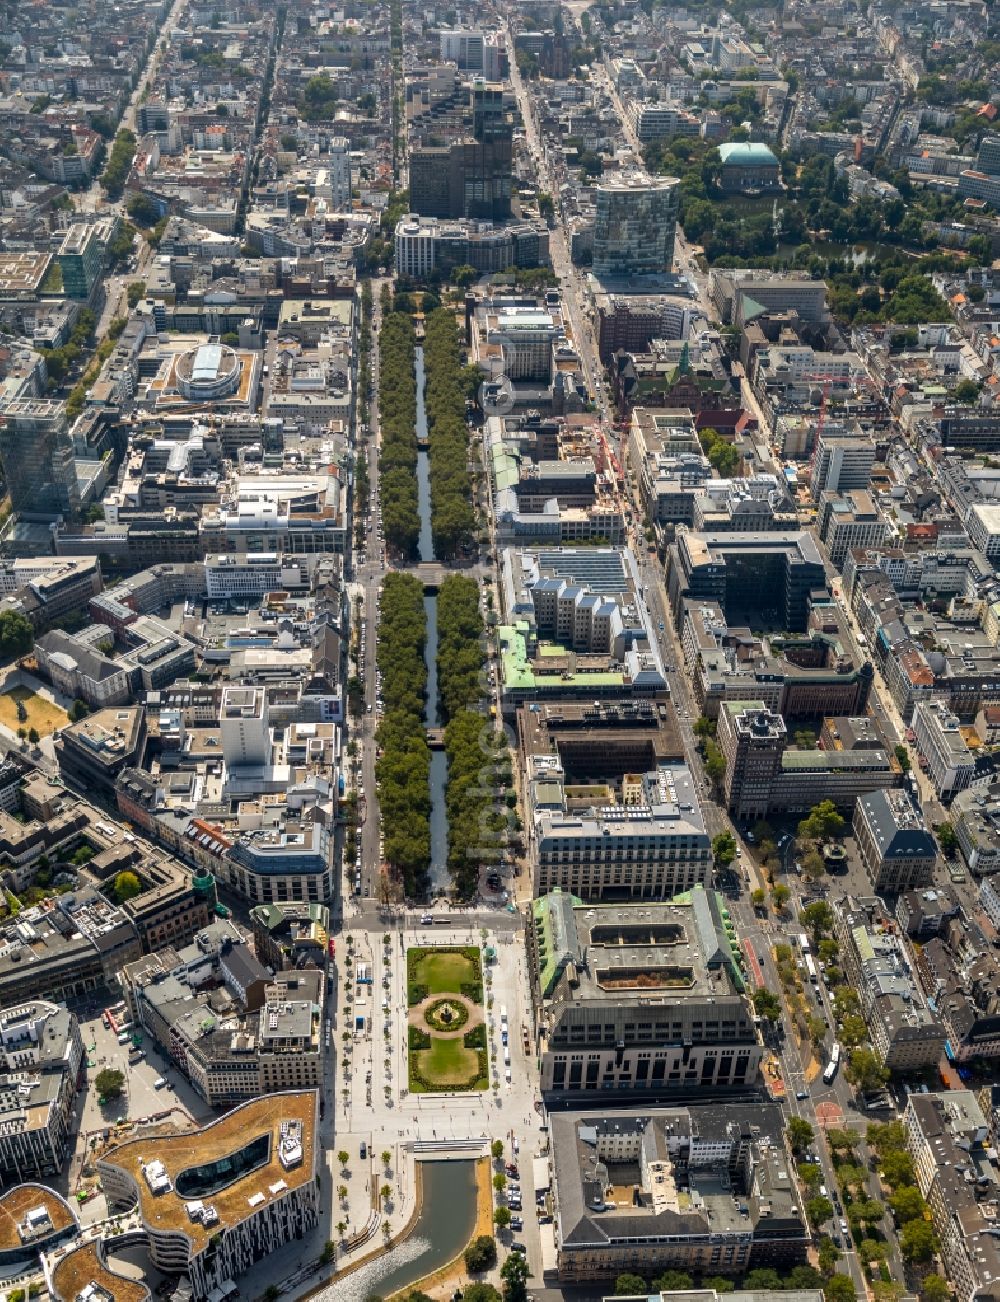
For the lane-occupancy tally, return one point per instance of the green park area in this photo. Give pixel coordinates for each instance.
(446, 1033)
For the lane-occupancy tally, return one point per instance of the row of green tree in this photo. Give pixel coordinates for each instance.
(402, 770)
(119, 163)
(460, 650)
(479, 771)
(398, 418)
(764, 1278)
(479, 774)
(453, 519)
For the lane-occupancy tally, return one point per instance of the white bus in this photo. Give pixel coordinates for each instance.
(831, 1067)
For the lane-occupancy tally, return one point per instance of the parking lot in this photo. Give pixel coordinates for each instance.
(140, 1099)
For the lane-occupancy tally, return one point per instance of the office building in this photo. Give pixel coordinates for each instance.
(706, 1190)
(464, 47)
(216, 1199)
(246, 738)
(634, 223)
(333, 180)
(741, 292)
(35, 1220)
(841, 463)
(894, 843)
(291, 936)
(983, 525)
(642, 837)
(80, 257)
(765, 772)
(848, 520)
(633, 322)
(471, 175)
(38, 458)
(426, 244)
(633, 999)
(939, 739)
(948, 1137)
(41, 1052)
(757, 578)
(905, 1034)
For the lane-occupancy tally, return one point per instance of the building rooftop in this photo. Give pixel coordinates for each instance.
(83, 1267)
(624, 1175)
(15, 1206)
(746, 154)
(684, 948)
(897, 824)
(158, 1166)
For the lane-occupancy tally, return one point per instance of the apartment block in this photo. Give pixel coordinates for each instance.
(948, 1137)
(939, 739)
(905, 1034)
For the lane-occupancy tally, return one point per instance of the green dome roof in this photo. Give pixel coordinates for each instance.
(746, 154)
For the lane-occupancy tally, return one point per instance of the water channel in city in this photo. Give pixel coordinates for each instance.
(438, 879)
(443, 1227)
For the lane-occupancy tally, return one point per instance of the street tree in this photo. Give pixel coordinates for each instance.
(673, 1280)
(819, 1210)
(501, 1217)
(822, 822)
(800, 1134)
(724, 849)
(839, 1288)
(934, 1288)
(947, 839)
(767, 1005)
(514, 1274)
(109, 1083)
(627, 1285)
(496, 1148)
(853, 1030)
(481, 1254)
(917, 1241)
(907, 1204)
(864, 1070)
(817, 918)
(897, 1169)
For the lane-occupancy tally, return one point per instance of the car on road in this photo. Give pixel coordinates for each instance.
(801, 1094)
(519, 1247)
(516, 1224)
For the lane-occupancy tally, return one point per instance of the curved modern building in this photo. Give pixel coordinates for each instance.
(215, 1200)
(33, 1219)
(208, 372)
(635, 219)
